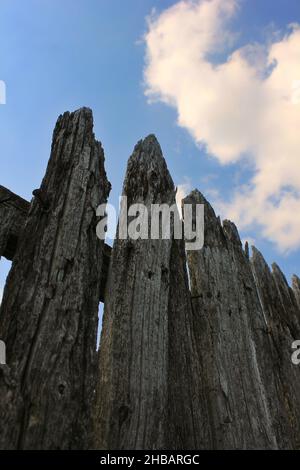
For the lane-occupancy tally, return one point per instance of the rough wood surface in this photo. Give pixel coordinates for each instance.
(49, 311)
(296, 288)
(230, 333)
(206, 369)
(146, 396)
(13, 213)
(282, 377)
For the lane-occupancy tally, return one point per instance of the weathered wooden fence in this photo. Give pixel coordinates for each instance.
(205, 366)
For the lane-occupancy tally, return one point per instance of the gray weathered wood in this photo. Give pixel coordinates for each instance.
(296, 288)
(282, 377)
(146, 395)
(49, 311)
(206, 369)
(230, 332)
(13, 213)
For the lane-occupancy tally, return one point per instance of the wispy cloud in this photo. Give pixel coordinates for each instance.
(246, 107)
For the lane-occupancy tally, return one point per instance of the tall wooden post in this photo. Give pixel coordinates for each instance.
(230, 333)
(146, 395)
(48, 316)
(282, 377)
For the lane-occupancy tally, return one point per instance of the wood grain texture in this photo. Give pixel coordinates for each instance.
(200, 366)
(296, 288)
(230, 332)
(282, 377)
(13, 214)
(145, 396)
(49, 311)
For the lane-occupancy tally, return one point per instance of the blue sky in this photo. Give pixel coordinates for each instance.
(58, 55)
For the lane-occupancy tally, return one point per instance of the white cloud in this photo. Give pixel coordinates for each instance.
(246, 107)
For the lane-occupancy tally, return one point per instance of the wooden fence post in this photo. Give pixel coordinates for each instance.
(146, 395)
(227, 319)
(49, 313)
(282, 377)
